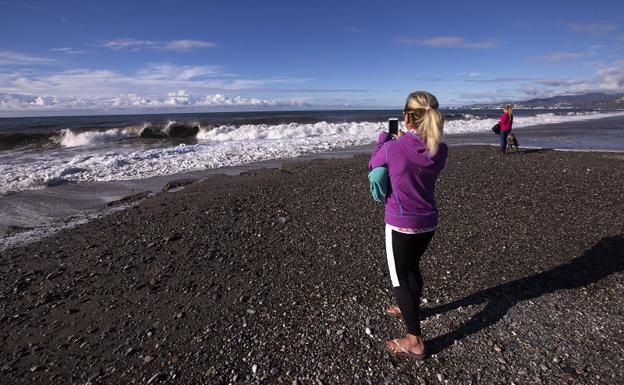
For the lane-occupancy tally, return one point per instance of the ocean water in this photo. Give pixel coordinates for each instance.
(41, 152)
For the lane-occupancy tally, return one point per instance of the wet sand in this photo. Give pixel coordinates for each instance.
(275, 276)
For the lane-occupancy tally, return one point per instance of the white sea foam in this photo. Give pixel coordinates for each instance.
(477, 124)
(217, 147)
(291, 131)
(69, 138)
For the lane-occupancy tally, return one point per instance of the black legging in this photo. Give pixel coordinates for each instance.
(404, 252)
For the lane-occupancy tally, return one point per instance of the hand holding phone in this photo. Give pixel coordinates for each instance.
(393, 127)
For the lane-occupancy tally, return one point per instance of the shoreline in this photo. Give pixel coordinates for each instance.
(477, 144)
(272, 269)
(15, 235)
(44, 208)
(47, 207)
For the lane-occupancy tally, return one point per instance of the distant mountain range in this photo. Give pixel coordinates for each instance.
(584, 101)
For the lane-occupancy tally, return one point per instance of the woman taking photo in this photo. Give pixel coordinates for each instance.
(414, 160)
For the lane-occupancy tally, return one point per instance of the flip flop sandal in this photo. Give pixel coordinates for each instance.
(404, 352)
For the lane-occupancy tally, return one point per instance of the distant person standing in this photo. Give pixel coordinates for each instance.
(414, 160)
(506, 120)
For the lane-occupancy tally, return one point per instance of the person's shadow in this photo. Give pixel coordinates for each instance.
(603, 259)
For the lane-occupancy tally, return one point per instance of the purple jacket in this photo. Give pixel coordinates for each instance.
(412, 179)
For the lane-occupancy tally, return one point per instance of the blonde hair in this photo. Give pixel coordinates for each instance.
(508, 109)
(427, 119)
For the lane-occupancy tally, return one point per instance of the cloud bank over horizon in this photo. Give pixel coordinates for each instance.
(119, 57)
(170, 87)
(13, 104)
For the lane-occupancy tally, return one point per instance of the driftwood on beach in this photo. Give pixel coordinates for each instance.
(280, 277)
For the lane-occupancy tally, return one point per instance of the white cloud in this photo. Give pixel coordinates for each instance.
(14, 104)
(67, 50)
(597, 47)
(607, 78)
(169, 71)
(18, 58)
(596, 29)
(178, 98)
(449, 42)
(559, 82)
(559, 56)
(148, 88)
(127, 43)
(611, 77)
(531, 90)
(470, 74)
(185, 45)
(154, 79)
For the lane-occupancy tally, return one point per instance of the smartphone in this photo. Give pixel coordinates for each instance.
(393, 126)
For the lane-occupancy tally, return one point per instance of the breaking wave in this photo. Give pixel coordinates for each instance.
(93, 156)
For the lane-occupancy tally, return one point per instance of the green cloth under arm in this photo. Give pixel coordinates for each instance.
(378, 179)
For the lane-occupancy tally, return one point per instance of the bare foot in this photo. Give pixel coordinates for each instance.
(394, 311)
(410, 345)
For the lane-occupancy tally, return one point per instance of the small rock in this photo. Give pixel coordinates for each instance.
(52, 275)
(179, 315)
(95, 375)
(497, 348)
(177, 184)
(501, 360)
(251, 311)
(274, 371)
(254, 369)
(172, 238)
(568, 369)
(130, 351)
(154, 378)
(147, 359)
(543, 367)
(440, 377)
(368, 331)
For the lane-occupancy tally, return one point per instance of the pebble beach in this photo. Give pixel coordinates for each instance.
(280, 277)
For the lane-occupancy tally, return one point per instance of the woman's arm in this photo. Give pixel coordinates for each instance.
(378, 158)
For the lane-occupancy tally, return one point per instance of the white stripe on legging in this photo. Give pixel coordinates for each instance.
(390, 256)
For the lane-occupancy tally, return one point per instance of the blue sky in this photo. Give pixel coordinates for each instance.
(153, 56)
